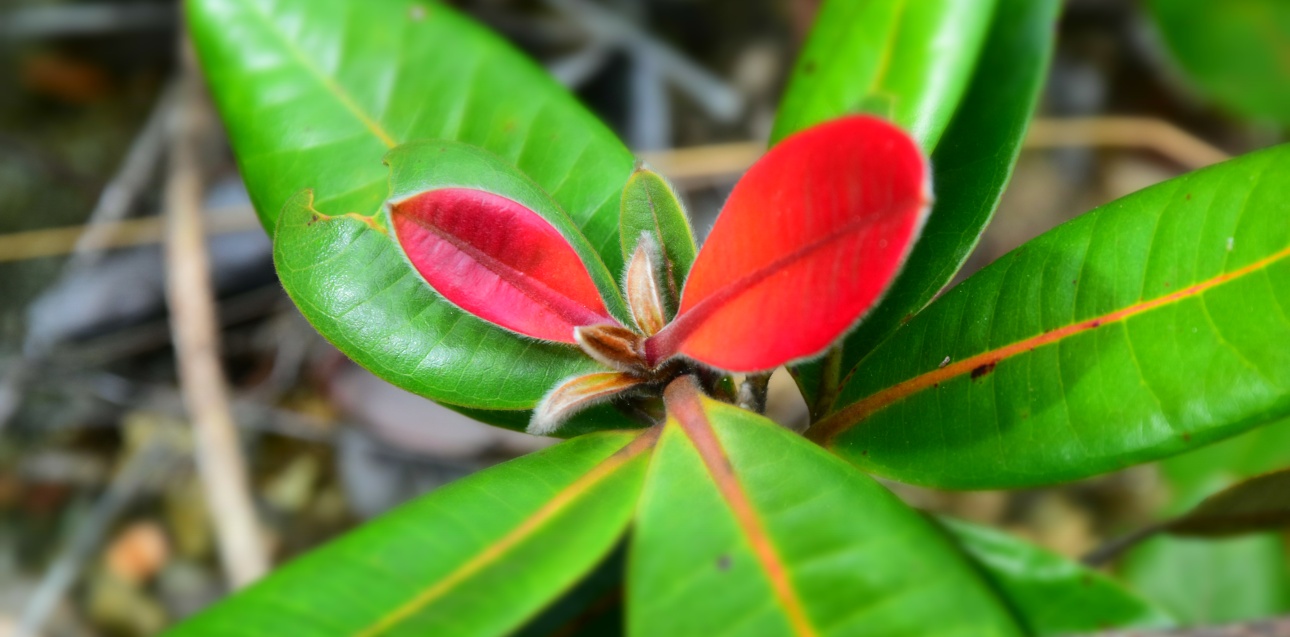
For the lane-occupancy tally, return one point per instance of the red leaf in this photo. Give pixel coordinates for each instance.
(808, 241)
(498, 260)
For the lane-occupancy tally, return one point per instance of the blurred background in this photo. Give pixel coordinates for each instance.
(104, 526)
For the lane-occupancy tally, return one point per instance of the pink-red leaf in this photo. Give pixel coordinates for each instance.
(808, 241)
(498, 260)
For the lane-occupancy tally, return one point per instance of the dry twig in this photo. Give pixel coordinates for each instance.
(1147, 133)
(196, 337)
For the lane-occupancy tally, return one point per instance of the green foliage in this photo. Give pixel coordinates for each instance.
(971, 165)
(1205, 582)
(651, 206)
(776, 533)
(1236, 51)
(1050, 595)
(294, 83)
(449, 563)
(1138, 331)
(1244, 577)
(1134, 332)
(906, 61)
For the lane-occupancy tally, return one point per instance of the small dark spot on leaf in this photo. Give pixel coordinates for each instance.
(1167, 284)
(936, 385)
(1074, 281)
(1188, 196)
(865, 452)
(907, 318)
(723, 563)
(982, 370)
(809, 67)
(313, 218)
(1186, 436)
(1097, 323)
(1024, 415)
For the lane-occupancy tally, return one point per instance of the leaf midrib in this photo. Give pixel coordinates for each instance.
(329, 83)
(563, 499)
(687, 410)
(827, 430)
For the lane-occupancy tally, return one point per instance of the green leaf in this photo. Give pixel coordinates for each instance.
(1206, 582)
(744, 528)
(355, 286)
(1049, 594)
(315, 92)
(971, 165)
(1261, 503)
(478, 557)
(651, 205)
(1245, 577)
(1193, 476)
(1144, 328)
(1235, 51)
(908, 61)
(593, 608)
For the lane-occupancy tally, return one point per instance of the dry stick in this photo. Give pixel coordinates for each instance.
(718, 161)
(86, 241)
(143, 467)
(1130, 132)
(1187, 150)
(1111, 550)
(196, 337)
(52, 242)
(121, 192)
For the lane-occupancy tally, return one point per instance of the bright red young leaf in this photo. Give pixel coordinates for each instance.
(808, 241)
(500, 261)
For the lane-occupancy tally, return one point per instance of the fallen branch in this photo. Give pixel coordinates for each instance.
(196, 337)
(1147, 133)
(123, 189)
(52, 242)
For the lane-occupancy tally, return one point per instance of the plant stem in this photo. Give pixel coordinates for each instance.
(752, 392)
(827, 390)
(196, 336)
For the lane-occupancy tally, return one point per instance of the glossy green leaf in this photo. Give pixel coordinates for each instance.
(1236, 51)
(651, 206)
(1245, 577)
(746, 529)
(970, 166)
(1205, 582)
(906, 61)
(593, 608)
(314, 93)
(1195, 475)
(478, 557)
(1147, 327)
(355, 286)
(1050, 595)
